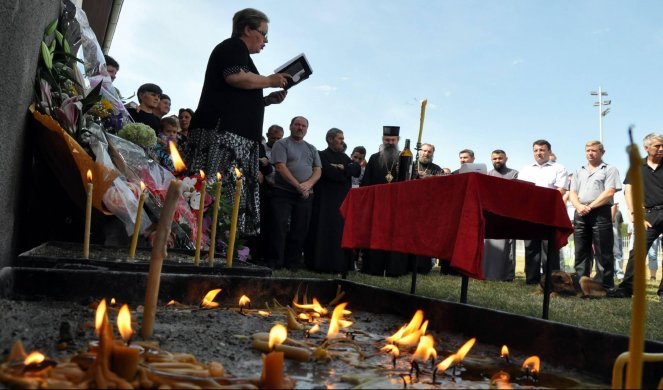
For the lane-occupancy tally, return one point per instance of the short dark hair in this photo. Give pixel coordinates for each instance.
(359, 149)
(332, 133)
(541, 142)
(164, 96)
(111, 61)
(247, 17)
(468, 151)
(275, 127)
(298, 116)
(498, 151)
(190, 111)
(149, 87)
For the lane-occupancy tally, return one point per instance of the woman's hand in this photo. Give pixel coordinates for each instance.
(279, 80)
(275, 97)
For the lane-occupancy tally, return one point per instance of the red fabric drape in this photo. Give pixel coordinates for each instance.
(448, 217)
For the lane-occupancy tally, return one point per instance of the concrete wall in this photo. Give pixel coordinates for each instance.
(22, 23)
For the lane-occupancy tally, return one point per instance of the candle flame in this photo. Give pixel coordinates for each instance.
(500, 380)
(391, 349)
(446, 363)
(244, 300)
(533, 364)
(208, 300)
(171, 303)
(99, 316)
(142, 186)
(89, 176)
(409, 334)
(238, 174)
(314, 329)
(34, 358)
(175, 156)
(315, 306)
(277, 335)
(112, 302)
(504, 352)
(202, 174)
(462, 351)
(218, 176)
(264, 313)
(337, 320)
(124, 323)
(425, 350)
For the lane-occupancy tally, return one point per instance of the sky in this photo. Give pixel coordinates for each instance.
(496, 74)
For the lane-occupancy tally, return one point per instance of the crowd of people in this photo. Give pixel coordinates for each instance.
(290, 204)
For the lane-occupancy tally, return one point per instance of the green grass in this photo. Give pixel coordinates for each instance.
(607, 315)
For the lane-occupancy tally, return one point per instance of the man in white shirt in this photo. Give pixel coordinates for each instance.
(544, 173)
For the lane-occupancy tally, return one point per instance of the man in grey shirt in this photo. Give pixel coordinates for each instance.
(297, 166)
(592, 189)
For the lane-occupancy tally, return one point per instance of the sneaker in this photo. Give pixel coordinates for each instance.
(618, 293)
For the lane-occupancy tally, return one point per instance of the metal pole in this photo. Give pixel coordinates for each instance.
(600, 115)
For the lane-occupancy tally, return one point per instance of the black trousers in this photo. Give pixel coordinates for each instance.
(290, 217)
(655, 218)
(536, 255)
(593, 234)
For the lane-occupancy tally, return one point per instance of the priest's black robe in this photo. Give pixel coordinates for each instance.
(379, 262)
(322, 251)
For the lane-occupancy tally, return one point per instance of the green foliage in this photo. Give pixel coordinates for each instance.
(139, 133)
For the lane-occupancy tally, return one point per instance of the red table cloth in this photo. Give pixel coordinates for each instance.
(448, 217)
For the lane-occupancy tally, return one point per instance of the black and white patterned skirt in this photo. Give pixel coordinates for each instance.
(220, 151)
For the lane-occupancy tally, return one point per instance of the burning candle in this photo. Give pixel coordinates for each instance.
(639, 305)
(421, 120)
(201, 209)
(504, 353)
(208, 299)
(244, 301)
(272, 371)
(159, 248)
(88, 216)
(531, 366)
(139, 215)
(260, 341)
(215, 218)
(233, 221)
(124, 359)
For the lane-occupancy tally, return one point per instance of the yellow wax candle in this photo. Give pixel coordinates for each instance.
(421, 120)
(124, 361)
(139, 215)
(233, 220)
(272, 370)
(639, 304)
(215, 218)
(158, 255)
(88, 217)
(201, 209)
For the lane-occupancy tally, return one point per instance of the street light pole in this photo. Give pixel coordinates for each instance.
(602, 112)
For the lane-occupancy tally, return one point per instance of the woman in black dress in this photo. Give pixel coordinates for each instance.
(227, 125)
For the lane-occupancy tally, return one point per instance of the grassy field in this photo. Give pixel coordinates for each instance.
(608, 315)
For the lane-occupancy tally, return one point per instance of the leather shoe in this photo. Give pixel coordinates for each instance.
(618, 293)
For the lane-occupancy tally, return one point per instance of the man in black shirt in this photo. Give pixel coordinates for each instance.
(148, 100)
(652, 177)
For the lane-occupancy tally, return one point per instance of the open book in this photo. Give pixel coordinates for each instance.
(298, 68)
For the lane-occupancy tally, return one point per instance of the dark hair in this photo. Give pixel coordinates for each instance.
(275, 127)
(164, 96)
(332, 133)
(111, 61)
(169, 120)
(149, 87)
(498, 151)
(247, 17)
(359, 149)
(468, 151)
(541, 142)
(295, 118)
(190, 111)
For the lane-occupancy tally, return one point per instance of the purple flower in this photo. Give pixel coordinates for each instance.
(69, 112)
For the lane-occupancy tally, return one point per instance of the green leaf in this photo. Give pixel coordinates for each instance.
(46, 56)
(67, 49)
(91, 99)
(52, 47)
(51, 28)
(59, 37)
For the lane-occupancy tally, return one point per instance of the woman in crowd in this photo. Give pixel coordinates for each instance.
(227, 126)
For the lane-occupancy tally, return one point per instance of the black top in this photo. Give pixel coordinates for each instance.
(653, 184)
(239, 111)
(146, 118)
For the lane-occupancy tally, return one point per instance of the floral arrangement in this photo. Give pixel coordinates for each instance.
(139, 133)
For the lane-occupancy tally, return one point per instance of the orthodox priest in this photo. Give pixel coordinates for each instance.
(323, 252)
(382, 168)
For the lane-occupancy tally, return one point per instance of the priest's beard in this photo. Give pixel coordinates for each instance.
(389, 154)
(425, 160)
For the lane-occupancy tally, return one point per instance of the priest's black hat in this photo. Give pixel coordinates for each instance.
(391, 130)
